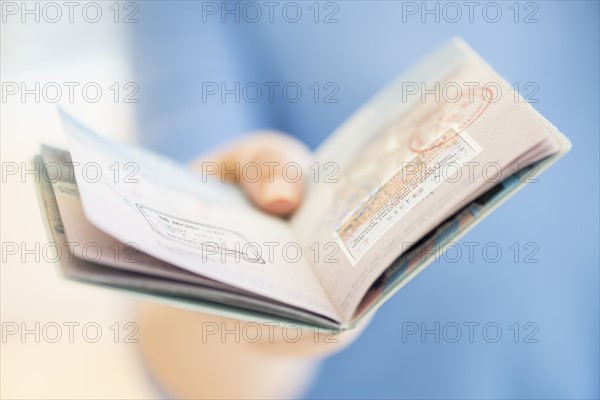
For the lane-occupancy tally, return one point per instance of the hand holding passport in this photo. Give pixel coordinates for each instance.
(413, 170)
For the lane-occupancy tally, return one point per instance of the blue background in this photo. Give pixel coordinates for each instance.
(176, 48)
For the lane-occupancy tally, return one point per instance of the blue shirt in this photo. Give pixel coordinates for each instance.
(211, 71)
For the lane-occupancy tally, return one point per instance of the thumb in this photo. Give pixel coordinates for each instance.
(268, 166)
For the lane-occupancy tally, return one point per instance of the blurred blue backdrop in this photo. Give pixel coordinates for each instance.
(181, 48)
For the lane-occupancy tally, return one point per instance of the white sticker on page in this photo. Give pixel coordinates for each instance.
(406, 188)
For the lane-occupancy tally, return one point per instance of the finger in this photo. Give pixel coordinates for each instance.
(278, 187)
(279, 190)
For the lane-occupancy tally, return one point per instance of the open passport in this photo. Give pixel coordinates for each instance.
(408, 174)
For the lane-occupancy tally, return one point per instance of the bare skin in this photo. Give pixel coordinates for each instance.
(186, 361)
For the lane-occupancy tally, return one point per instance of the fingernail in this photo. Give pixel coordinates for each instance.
(279, 197)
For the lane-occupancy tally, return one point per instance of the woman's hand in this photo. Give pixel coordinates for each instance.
(189, 363)
(271, 151)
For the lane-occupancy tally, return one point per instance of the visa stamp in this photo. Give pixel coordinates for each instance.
(392, 199)
(442, 121)
(209, 241)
